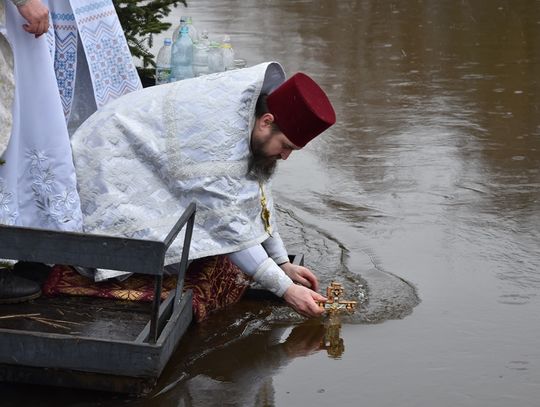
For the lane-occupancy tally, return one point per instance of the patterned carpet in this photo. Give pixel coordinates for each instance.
(215, 282)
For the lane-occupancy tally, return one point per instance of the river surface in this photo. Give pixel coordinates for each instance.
(424, 197)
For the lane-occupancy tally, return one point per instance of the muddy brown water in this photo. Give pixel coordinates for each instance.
(425, 196)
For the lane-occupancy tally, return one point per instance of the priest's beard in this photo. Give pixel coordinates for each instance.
(261, 167)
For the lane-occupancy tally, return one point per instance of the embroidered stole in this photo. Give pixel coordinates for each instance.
(110, 63)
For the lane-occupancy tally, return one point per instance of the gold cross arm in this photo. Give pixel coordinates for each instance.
(334, 302)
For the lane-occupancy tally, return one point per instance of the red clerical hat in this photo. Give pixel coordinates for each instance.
(301, 109)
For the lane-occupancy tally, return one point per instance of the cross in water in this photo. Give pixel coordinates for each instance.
(334, 302)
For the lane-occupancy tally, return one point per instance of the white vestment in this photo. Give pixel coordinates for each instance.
(37, 181)
(143, 158)
(7, 83)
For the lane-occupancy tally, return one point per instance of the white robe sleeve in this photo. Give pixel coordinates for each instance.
(254, 261)
(275, 248)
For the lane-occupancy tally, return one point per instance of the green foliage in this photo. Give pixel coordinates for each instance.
(140, 20)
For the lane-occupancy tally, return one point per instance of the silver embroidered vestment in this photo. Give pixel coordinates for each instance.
(143, 158)
(7, 83)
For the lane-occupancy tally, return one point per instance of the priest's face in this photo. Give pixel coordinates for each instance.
(267, 146)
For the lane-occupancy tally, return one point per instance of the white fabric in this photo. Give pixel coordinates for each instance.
(254, 261)
(272, 277)
(7, 85)
(276, 249)
(143, 158)
(37, 181)
(249, 260)
(92, 58)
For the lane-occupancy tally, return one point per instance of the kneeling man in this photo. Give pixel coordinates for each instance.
(213, 140)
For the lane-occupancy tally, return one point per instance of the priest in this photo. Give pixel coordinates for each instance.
(213, 140)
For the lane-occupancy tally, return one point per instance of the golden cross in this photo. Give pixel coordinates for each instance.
(265, 212)
(334, 302)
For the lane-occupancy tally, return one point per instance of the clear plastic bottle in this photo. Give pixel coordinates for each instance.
(215, 58)
(193, 33)
(200, 55)
(182, 56)
(204, 38)
(183, 22)
(163, 63)
(228, 53)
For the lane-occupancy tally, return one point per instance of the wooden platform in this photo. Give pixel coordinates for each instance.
(77, 316)
(89, 342)
(94, 343)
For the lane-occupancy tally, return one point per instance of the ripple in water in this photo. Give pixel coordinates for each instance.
(381, 295)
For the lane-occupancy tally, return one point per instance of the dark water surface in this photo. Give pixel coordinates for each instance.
(425, 195)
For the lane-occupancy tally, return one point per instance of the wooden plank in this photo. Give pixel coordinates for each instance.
(172, 300)
(56, 247)
(184, 260)
(77, 316)
(121, 358)
(175, 328)
(154, 321)
(76, 379)
(165, 310)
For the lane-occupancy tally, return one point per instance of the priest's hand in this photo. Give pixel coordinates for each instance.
(37, 16)
(301, 275)
(303, 300)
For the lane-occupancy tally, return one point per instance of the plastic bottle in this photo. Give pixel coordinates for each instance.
(215, 58)
(182, 56)
(228, 53)
(193, 33)
(200, 55)
(183, 22)
(163, 63)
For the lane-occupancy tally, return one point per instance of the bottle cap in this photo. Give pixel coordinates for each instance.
(167, 41)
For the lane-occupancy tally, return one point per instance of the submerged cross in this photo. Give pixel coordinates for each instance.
(334, 302)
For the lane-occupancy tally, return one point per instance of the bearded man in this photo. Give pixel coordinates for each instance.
(213, 140)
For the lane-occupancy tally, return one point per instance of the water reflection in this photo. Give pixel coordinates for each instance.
(333, 343)
(241, 372)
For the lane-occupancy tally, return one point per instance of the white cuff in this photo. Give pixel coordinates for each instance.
(272, 277)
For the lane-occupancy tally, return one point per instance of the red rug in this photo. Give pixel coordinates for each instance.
(215, 281)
